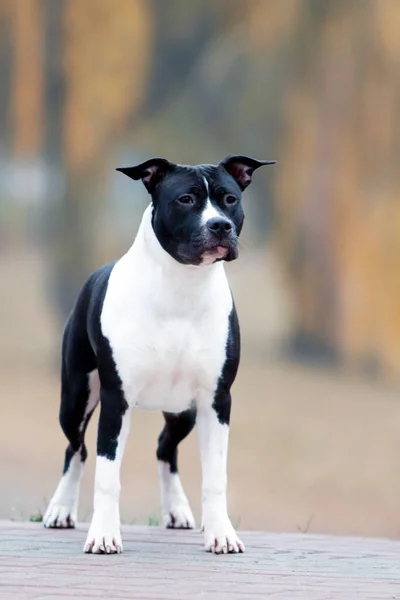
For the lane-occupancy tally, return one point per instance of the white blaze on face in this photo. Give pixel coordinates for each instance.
(209, 211)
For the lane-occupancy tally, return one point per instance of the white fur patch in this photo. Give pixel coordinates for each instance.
(167, 324)
(175, 506)
(104, 534)
(209, 212)
(219, 535)
(62, 511)
(94, 395)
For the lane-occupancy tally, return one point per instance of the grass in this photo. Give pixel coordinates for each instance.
(153, 521)
(36, 518)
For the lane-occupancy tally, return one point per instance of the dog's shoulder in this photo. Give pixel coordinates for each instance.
(92, 293)
(96, 285)
(86, 313)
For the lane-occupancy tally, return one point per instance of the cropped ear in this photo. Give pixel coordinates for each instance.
(150, 172)
(242, 167)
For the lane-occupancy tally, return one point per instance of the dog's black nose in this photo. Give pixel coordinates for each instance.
(219, 225)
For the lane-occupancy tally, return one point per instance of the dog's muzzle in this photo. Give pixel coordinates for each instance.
(221, 241)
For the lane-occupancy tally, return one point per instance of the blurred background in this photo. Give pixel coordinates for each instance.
(90, 85)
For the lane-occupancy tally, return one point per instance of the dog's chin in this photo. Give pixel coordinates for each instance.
(218, 253)
(207, 256)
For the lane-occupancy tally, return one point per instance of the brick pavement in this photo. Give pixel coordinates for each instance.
(39, 564)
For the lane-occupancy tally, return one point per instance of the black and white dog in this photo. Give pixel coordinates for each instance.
(158, 330)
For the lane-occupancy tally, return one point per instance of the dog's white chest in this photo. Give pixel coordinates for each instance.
(168, 337)
(166, 365)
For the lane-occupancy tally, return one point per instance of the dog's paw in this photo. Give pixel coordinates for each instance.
(104, 536)
(175, 506)
(62, 511)
(179, 517)
(220, 537)
(60, 516)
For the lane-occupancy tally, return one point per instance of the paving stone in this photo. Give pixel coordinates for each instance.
(40, 564)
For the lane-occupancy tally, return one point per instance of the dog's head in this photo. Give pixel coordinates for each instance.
(197, 210)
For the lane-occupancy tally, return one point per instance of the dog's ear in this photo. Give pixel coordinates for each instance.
(242, 167)
(151, 172)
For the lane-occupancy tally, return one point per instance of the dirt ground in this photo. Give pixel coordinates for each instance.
(309, 449)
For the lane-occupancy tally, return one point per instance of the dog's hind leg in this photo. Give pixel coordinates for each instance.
(175, 506)
(79, 398)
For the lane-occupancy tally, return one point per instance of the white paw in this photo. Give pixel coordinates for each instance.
(62, 516)
(175, 506)
(62, 511)
(220, 537)
(179, 517)
(104, 535)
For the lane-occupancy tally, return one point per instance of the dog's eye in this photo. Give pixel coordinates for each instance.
(229, 199)
(186, 200)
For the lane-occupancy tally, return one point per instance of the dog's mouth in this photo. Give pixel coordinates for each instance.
(207, 252)
(216, 252)
(219, 252)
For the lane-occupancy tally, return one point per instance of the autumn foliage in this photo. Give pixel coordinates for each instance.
(317, 84)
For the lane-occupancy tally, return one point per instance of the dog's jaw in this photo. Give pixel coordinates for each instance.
(146, 236)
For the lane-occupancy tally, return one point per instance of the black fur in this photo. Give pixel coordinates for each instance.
(176, 428)
(112, 408)
(85, 349)
(222, 399)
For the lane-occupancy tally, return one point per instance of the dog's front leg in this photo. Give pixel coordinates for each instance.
(104, 533)
(213, 428)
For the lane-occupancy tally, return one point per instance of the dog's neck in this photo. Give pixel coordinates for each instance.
(150, 249)
(170, 287)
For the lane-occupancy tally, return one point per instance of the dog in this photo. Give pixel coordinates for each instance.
(158, 330)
